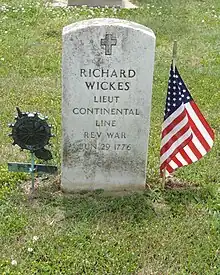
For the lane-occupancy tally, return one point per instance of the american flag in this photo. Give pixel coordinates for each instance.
(186, 135)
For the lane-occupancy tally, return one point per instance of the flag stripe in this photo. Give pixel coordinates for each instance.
(174, 122)
(199, 145)
(194, 149)
(199, 124)
(185, 155)
(169, 168)
(174, 150)
(203, 120)
(175, 145)
(181, 158)
(198, 134)
(172, 117)
(175, 138)
(190, 153)
(199, 137)
(173, 164)
(175, 130)
(178, 163)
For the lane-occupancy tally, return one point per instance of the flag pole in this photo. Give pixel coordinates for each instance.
(174, 56)
(164, 178)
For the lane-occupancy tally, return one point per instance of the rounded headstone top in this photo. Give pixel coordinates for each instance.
(107, 21)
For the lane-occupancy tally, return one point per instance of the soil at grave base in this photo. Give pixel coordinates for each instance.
(174, 183)
(52, 184)
(49, 184)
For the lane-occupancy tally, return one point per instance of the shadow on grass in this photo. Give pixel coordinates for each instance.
(98, 205)
(129, 206)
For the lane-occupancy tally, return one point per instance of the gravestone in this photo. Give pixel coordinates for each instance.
(107, 85)
(95, 3)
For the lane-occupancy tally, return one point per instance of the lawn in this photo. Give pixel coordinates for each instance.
(171, 231)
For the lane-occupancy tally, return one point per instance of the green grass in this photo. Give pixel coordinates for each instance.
(153, 232)
(175, 232)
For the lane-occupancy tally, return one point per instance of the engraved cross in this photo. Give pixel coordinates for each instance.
(108, 42)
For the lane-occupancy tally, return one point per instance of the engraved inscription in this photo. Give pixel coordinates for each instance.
(117, 83)
(108, 42)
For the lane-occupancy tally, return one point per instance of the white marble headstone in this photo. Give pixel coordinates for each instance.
(107, 85)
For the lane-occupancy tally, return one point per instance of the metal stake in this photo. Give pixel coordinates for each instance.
(32, 170)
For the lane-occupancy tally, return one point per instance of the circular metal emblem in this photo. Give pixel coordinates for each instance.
(30, 131)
